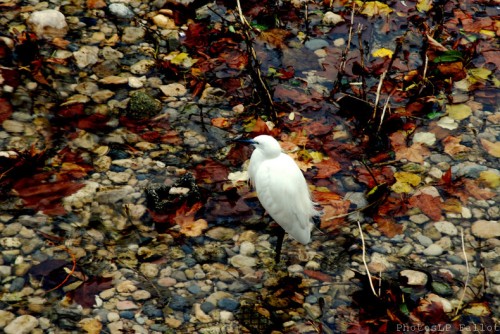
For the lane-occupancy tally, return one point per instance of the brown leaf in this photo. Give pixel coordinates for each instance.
(431, 206)
(388, 226)
(475, 191)
(211, 171)
(415, 153)
(85, 294)
(452, 145)
(327, 168)
(318, 275)
(276, 37)
(5, 109)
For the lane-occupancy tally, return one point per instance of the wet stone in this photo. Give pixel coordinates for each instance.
(132, 35)
(179, 303)
(86, 56)
(48, 24)
(228, 304)
(486, 229)
(142, 105)
(21, 325)
(121, 11)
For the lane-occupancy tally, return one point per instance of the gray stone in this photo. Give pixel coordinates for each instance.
(486, 229)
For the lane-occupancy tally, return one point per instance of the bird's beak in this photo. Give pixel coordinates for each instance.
(244, 140)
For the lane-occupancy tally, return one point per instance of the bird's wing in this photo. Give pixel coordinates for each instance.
(283, 192)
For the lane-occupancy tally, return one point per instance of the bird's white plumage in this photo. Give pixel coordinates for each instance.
(281, 188)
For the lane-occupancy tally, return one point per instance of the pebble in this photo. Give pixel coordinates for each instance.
(48, 24)
(424, 240)
(240, 261)
(228, 304)
(220, 233)
(86, 56)
(247, 248)
(413, 277)
(314, 44)
(23, 324)
(121, 10)
(174, 89)
(446, 227)
(433, 250)
(200, 315)
(486, 229)
(132, 35)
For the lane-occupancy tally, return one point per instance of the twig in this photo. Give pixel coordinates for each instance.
(255, 65)
(364, 261)
(377, 98)
(424, 74)
(361, 53)
(70, 273)
(468, 273)
(383, 112)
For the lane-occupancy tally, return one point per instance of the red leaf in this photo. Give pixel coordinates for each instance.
(85, 294)
(211, 172)
(429, 205)
(5, 109)
(327, 168)
(318, 275)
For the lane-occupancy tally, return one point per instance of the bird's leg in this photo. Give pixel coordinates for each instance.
(279, 243)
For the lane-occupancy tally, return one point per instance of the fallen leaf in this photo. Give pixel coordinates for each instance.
(211, 171)
(388, 226)
(382, 52)
(492, 148)
(427, 138)
(447, 123)
(194, 228)
(405, 182)
(491, 178)
(429, 205)
(458, 111)
(275, 37)
(415, 153)
(372, 8)
(327, 168)
(85, 294)
(424, 6)
(452, 205)
(477, 192)
(452, 145)
(221, 122)
(318, 275)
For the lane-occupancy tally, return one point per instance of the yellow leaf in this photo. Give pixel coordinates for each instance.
(405, 181)
(490, 178)
(480, 73)
(424, 5)
(183, 59)
(407, 177)
(492, 148)
(488, 33)
(458, 111)
(382, 52)
(179, 58)
(372, 8)
(401, 187)
(317, 156)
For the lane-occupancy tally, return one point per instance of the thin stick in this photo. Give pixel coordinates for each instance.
(468, 273)
(364, 261)
(377, 98)
(383, 112)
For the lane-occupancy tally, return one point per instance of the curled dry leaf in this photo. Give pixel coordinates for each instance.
(492, 148)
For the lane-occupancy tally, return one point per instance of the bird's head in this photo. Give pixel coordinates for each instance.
(267, 145)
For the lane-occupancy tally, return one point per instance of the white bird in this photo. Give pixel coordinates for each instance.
(282, 189)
